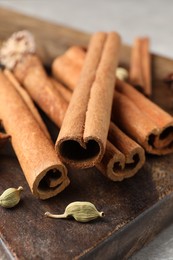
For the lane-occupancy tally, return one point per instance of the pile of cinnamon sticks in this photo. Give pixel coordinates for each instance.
(104, 122)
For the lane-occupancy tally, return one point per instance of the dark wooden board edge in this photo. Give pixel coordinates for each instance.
(132, 236)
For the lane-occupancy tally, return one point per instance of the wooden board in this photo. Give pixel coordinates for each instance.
(135, 209)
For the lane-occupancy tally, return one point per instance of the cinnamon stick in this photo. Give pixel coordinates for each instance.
(27, 100)
(141, 119)
(76, 51)
(64, 61)
(83, 134)
(18, 54)
(140, 66)
(160, 140)
(64, 92)
(131, 120)
(123, 157)
(44, 172)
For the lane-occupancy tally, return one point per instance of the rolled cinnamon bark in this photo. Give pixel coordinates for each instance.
(27, 100)
(64, 92)
(83, 134)
(18, 54)
(140, 66)
(146, 123)
(134, 122)
(123, 157)
(160, 141)
(44, 172)
(71, 75)
(76, 51)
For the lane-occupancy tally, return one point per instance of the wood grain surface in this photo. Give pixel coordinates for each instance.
(135, 209)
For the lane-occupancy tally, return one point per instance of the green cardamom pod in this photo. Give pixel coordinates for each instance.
(10, 197)
(81, 211)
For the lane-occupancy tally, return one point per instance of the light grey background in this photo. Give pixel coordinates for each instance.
(153, 18)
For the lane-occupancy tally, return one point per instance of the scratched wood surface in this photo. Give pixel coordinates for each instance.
(135, 209)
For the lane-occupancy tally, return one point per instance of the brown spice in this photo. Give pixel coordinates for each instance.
(152, 126)
(32, 76)
(44, 172)
(64, 61)
(123, 157)
(140, 66)
(146, 123)
(18, 54)
(27, 100)
(64, 92)
(82, 138)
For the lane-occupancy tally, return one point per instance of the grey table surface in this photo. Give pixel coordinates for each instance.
(131, 18)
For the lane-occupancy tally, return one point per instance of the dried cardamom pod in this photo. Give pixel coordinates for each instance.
(10, 197)
(81, 211)
(122, 73)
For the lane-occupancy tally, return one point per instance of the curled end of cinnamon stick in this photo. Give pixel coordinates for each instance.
(123, 158)
(50, 182)
(120, 168)
(80, 153)
(160, 142)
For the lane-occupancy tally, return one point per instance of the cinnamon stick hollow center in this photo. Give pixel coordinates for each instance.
(82, 138)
